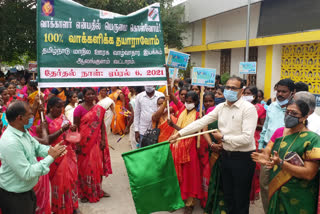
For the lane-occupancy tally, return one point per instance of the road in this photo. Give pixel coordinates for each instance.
(117, 185)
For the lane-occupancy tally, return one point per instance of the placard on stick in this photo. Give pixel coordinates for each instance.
(178, 60)
(248, 67)
(203, 76)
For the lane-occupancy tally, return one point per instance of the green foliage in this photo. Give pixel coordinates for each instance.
(224, 78)
(18, 30)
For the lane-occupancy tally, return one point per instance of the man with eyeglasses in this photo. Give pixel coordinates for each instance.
(237, 121)
(285, 90)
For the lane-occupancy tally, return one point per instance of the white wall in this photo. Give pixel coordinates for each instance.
(261, 66)
(237, 56)
(199, 9)
(231, 25)
(213, 60)
(196, 59)
(276, 66)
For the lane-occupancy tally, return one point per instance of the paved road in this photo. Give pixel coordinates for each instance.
(117, 185)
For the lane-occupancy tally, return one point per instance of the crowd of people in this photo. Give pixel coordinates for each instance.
(258, 148)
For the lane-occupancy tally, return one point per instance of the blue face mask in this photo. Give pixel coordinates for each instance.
(282, 103)
(219, 100)
(28, 126)
(230, 95)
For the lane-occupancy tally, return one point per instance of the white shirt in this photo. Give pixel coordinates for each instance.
(145, 106)
(237, 123)
(314, 123)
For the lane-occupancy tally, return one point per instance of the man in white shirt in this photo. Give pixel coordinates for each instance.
(237, 121)
(145, 106)
(313, 119)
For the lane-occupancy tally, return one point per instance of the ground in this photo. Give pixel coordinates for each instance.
(117, 185)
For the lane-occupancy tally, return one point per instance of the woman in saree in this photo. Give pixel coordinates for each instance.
(118, 123)
(93, 151)
(63, 173)
(108, 105)
(12, 92)
(292, 156)
(103, 93)
(178, 104)
(185, 156)
(5, 98)
(250, 94)
(160, 120)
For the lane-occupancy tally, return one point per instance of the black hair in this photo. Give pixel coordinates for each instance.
(10, 83)
(269, 101)
(2, 89)
(194, 96)
(69, 95)
(221, 88)
(303, 107)
(80, 97)
(301, 86)
(137, 89)
(262, 93)
(218, 77)
(181, 83)
(188, 80)
(33, 84)
(15, 109)
(254, 92)
(196, 86)
(87, 89)
(287, 82)
(237, 78)
(209, 93)
(163, 98)
(183, 89)
(52, 102)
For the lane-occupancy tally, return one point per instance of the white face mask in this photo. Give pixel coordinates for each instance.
(189, 106)
(149, 88)
(248, 98)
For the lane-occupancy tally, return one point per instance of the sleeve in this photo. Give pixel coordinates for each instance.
(41, 150)
(15, 157)
(54, 91)
(312, 148)
(262, 112)
(137, 112)
(263, 133)
(278, 133)
(77, 111)
(201, 123)
(249, 124)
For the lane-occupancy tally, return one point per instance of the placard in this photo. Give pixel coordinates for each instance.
(248, 68)
(203, 76)
(178, 60)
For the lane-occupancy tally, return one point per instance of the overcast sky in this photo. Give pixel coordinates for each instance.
(175, 2)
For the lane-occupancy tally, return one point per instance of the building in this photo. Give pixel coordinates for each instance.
(284, 39)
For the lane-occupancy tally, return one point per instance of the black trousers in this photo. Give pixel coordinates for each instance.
(18, 203)
(237, 169)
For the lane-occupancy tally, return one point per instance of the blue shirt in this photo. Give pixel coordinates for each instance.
(20, 169)
(274, 120)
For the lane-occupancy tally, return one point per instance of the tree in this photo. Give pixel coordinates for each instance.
(18, 30)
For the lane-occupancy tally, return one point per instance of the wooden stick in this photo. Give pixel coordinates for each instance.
(41, 113)
(174, 77)
(197, 134)
(201, 104)
(168, 103)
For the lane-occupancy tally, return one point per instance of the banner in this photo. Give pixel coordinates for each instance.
(248, 67)
(203, 76)
(153, 179)
(80, 46)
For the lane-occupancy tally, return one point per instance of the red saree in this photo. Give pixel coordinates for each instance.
(92, 162)
(165, 130)
(63, 174)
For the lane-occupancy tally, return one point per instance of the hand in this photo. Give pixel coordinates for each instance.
(103, 144)
(73, 128)
(216, 147)
(41, 107)
(217, 135)
(65, 127)
(57, 150)
(126, 130)
(170, 122)
(260, 158)
(173, 138)
(137, 136)
(274, 160)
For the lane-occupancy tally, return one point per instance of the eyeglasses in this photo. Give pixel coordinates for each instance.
(232, 88)
(292, 113)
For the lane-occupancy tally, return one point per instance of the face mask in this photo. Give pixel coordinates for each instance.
(219, 100)
(149, 89)
(28, 126)
(282, 103)
(231, 96)
(291, 121)
(189, 106)
(248, 98)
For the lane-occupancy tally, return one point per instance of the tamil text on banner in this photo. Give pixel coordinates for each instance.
(204, 76)
(153, 179)
(178, 60)
(81, 46)
(248, 67)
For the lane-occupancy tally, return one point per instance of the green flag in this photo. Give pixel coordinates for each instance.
(153, 179)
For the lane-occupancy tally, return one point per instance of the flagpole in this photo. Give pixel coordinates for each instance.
(41, 112)
(197, 134)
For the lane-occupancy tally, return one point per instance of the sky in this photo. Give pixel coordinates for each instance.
(175, 2)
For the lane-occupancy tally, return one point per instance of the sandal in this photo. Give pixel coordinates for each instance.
(106, 195)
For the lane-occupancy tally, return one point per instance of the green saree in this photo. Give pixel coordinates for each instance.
(288, 194)
(215, 203)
